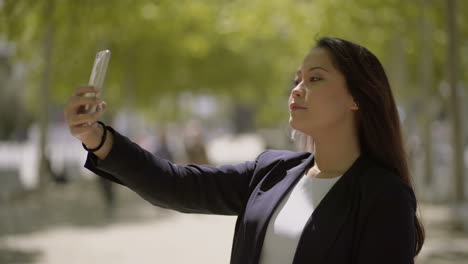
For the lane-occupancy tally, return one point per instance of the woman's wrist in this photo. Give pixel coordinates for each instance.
(100, 139)
(103, 138)
(94, 138)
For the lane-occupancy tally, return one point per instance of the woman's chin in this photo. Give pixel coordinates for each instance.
(300, 126)
(294, 124)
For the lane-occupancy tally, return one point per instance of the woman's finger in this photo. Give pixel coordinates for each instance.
(81, 90)
(79, 119)
(77, 101)
(81, 123)
(82, 131)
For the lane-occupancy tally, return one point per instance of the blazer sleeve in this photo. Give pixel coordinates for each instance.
(190, 189)
(389, 235)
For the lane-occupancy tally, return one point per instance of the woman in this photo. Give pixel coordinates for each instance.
(347, 199)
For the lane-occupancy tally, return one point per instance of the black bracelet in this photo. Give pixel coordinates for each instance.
(103, 139)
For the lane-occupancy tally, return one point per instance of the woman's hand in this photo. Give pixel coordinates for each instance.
(82, 124)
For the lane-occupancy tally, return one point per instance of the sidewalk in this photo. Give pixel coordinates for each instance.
(443, 245)
(71, 226)
(178, 238)
(139, 233)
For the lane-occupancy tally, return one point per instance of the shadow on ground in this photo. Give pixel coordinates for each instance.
(15, 256)
(77, 203)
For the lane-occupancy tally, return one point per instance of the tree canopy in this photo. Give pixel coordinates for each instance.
(246, 49)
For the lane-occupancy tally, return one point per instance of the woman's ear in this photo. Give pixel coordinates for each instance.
(355, 106)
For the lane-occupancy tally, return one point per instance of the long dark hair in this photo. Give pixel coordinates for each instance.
(377, 118)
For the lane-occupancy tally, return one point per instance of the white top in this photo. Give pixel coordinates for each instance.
(290, 217)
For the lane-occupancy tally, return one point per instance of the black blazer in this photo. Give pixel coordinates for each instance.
(367, 216)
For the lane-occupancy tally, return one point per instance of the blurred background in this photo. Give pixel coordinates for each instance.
(207, 81)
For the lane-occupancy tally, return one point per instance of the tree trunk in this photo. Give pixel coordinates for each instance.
(457, 140)
(43, 96)
(426, 91)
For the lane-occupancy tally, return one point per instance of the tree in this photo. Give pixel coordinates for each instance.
(241, 49)
(457, 124)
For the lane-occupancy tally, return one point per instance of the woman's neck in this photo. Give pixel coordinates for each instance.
(334, 153)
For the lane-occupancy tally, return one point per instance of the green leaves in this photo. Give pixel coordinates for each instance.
(245, 49)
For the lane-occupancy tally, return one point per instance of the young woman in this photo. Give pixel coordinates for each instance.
(347, 199)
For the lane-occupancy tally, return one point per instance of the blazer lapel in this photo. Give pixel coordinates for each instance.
(266, 198)
(326, 220)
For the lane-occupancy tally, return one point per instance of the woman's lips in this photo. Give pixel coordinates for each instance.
(294, 107)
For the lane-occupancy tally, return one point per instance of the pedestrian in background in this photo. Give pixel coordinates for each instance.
(162, 149)
(194, 143)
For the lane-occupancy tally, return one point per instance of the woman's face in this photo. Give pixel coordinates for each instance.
(320, 99)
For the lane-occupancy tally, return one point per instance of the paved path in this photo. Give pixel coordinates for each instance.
(443, 245)
(185, 238)
(71, 227)
(179, 238)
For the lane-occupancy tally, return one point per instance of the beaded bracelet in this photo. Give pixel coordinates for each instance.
(103, 139)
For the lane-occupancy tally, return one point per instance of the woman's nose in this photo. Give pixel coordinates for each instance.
(297, 92)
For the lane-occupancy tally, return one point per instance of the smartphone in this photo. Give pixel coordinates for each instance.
(98, 74)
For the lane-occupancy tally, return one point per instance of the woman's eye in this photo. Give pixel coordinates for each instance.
(314, 79)
(296, 82)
